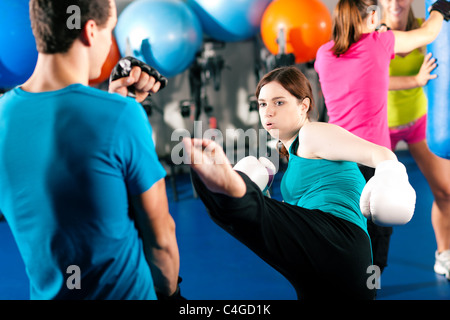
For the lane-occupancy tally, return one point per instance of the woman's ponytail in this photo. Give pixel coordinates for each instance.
(347, 22)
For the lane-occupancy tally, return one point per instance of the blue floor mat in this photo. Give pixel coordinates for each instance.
(215, 266)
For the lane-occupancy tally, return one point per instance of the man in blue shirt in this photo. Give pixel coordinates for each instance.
(74, 159)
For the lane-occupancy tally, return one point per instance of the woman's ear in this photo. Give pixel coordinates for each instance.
(306, 103)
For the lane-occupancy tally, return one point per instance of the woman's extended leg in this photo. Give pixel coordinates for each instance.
(321, 255)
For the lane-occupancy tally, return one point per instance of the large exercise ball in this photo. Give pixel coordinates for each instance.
(307, 25)
(166, 34)
(109, 64)
(18, 54)
(438, 93)
(229, 20)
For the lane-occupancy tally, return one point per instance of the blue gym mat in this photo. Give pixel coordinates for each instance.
(215, 266)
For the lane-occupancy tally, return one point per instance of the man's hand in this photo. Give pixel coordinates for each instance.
(133, 77)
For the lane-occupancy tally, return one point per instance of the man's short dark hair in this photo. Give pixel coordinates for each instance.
(49, 21)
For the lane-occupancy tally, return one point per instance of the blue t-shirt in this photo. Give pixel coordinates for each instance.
(331, 186)
(68, 160)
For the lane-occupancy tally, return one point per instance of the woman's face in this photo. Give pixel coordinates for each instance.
(396, 10)
(281, 114)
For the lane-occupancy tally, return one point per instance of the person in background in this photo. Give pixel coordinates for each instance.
(407, 117)
(353, 71)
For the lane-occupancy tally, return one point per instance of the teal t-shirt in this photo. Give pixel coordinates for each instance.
(331, 186)
(68, 161)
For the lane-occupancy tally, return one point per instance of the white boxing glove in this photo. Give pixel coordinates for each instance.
(261, 171)
(388, 199)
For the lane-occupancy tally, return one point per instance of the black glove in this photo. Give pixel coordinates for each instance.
(123, 68)
(174, 296)
(383, 25)
(443, 7)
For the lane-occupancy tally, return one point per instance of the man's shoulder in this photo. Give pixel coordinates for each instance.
(104, 95)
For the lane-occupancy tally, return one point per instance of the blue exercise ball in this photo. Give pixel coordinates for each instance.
(166, 34)
(18, 54)
(230, 20)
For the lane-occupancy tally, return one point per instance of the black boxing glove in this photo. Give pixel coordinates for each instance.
(443, 7)
(174, 296)
(123, 68)
(383, 25)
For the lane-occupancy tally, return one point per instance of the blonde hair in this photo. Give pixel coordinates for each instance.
(412, 23)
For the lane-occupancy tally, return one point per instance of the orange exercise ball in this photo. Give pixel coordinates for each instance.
(108, 65)
(307, 25)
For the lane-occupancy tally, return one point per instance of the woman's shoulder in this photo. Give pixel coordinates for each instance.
(312, 135)
(316, 127)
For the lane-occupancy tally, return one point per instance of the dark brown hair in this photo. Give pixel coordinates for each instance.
(295, 82)
(347, 20)
(49, 21)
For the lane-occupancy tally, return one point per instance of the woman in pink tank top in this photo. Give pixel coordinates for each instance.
(353, 72)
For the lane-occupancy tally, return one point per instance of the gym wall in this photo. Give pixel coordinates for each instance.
(231, 102)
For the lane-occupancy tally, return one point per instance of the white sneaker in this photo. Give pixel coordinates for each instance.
(442, 263)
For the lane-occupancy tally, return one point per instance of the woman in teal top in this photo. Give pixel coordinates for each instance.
(317, 238)
(331, 186)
